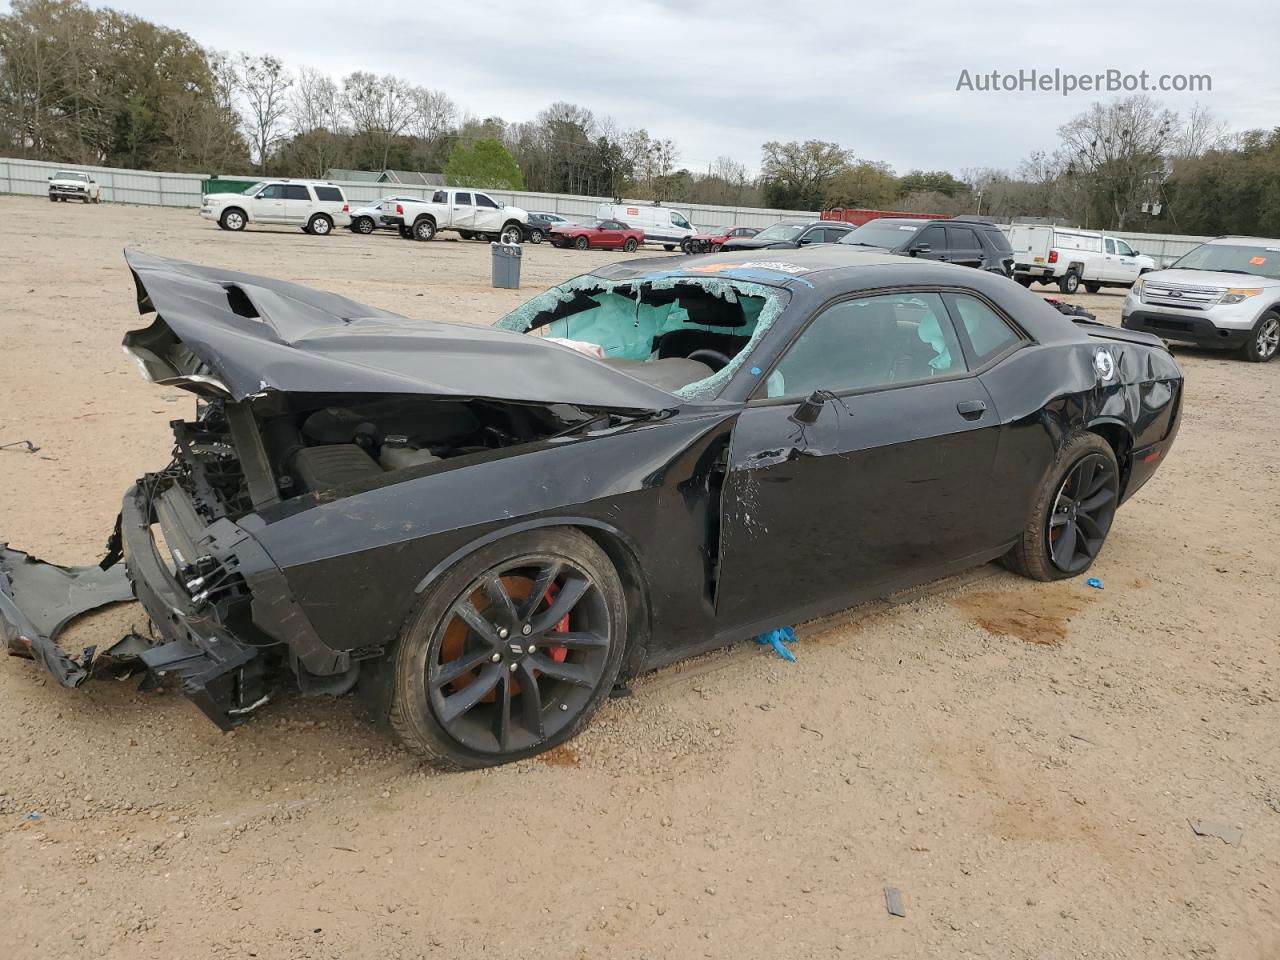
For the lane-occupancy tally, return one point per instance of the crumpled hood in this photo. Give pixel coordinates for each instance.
(221, 333)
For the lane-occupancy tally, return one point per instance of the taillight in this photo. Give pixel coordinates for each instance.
(345, 208)
(1053, 256)
(399, 209)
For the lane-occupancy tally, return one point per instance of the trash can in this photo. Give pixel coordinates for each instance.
(506, 265)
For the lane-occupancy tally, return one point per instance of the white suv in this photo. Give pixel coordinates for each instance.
(315, 207)
(1224, 293)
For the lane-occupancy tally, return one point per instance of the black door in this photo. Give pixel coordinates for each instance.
(930, 244)
(965, 247)
(888, 486)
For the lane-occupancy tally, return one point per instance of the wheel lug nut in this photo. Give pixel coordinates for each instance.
(564, 706)
(532, 649)
(496, 658)
(503, 633)
(514, 667)
(526, 629)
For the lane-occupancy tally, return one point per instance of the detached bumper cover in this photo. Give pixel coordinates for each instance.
(38, 600)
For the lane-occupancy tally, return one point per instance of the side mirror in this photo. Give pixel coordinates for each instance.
(808, 412)
(50, 176)
(1134, 253)
(920, 248)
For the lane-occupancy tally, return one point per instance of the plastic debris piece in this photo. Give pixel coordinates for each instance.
(20, 446)
(1095, 583)
(778, 639)
(893, 902)
(1216, 828)
(33, 815)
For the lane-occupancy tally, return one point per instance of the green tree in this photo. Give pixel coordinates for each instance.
(799, 175)
(484, 163)
(931, 181)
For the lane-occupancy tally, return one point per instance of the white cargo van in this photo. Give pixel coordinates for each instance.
(1069, 258)
(660, 224)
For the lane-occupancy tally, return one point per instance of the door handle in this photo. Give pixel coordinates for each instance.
(971, 409)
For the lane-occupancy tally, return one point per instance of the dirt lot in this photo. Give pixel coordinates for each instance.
(1020, 760)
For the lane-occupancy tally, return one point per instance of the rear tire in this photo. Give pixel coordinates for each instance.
(582, 243)
(1084, 514)
(1264, 339)
(501, 722)
(535, 236)
(668, 247)
(1024, 281)
(630, 245)
(319, 226)
(1070, 282)
(424, 230)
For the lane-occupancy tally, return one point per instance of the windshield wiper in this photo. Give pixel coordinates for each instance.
(1243, 273)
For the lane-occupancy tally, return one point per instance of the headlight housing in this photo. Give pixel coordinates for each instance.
(1138, 284)
(1239, 294)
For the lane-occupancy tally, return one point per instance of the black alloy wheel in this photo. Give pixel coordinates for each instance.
(1082, 513)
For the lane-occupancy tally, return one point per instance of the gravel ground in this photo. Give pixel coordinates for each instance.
(1022, 761)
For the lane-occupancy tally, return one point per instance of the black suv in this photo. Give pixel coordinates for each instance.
(791, 234)
(970, 243)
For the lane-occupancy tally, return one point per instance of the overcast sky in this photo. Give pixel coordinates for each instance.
(720, 78)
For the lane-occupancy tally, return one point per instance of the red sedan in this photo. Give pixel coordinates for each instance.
(604, 234)
(713, 239)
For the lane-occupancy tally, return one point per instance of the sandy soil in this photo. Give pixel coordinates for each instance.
(1020, 760)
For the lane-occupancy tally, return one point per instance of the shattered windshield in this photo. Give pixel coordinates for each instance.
(682, 334)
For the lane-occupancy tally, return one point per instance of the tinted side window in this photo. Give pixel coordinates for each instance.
(440, 197)
(462, 200)
(329, 193)
(988, 333)
(933, 236)
(816, 235)
(872, 342)
(963, 238)
(483, 201)
(296, 191)
(273, 192)
(998, 240)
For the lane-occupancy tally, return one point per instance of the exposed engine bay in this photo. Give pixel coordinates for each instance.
(237, 457)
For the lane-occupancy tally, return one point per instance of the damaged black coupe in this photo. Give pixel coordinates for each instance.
(481, 530)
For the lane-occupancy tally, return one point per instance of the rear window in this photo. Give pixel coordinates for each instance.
(462, 200)
(329, 193)
(989, 334)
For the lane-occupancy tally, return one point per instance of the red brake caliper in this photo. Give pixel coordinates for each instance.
(558, 653)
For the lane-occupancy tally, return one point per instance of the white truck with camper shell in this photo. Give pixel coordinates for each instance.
(472, 214)
(315, 206)
(1071, 258)
(660, 224)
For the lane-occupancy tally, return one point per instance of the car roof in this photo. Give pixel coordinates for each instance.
(1237, 239)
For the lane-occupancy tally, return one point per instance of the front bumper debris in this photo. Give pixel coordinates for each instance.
(38, 600)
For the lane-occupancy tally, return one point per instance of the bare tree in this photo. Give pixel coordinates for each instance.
(1120, 147)
(264, 84)
(434, 114)
(1198, 134)
(381, 108)
(315, 103)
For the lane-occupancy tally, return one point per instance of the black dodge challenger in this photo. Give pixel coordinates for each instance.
(481, 530)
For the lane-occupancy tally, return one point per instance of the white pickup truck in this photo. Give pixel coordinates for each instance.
(470, 213)
(1072, 258)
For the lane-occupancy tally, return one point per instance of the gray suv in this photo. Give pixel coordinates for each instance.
(1225, 293)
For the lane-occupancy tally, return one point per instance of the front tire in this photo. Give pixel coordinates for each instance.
(582, 243)
(1264, 340)
(232, 219)
(1093, 287)
(1073, 512)
(512, 651)
(363, 225)
(668, 247)
(511, 233)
